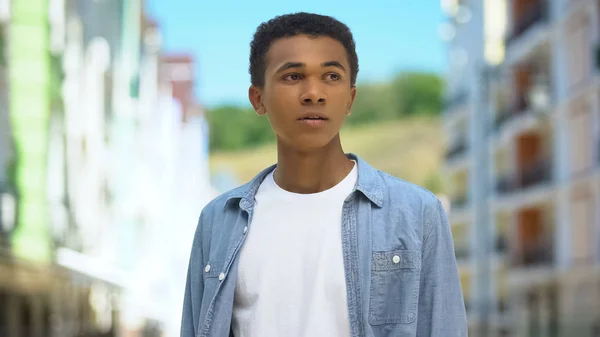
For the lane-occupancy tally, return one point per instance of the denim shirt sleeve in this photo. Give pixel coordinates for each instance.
(194, 288)
(441, 304)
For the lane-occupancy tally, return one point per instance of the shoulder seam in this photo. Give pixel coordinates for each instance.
(408, 183)
(428, 225)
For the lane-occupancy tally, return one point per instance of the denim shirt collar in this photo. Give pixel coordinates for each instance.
(368, 183)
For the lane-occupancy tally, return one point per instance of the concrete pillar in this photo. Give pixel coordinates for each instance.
(524, 315)
(14, 316)
(561, 147)
(36, 303)
(71, 313)
(57, 324)
(563, 233)
(544, 311)
(512, 242)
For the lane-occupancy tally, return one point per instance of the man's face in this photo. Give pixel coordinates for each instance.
(307, 91)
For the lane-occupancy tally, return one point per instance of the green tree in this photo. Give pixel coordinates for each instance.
(407, 94)
(418, 94)
(374, 102)
(235, 127)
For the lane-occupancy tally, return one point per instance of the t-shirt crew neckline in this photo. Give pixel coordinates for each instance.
(348, 180)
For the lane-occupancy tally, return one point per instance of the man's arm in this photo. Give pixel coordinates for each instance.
(441, 303)
(194, 288)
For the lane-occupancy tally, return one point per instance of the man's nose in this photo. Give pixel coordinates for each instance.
(313, 93)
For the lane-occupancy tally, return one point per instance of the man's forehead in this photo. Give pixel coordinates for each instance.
(304, 49)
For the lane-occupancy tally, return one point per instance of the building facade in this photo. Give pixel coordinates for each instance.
(103, 171)
(525, 167)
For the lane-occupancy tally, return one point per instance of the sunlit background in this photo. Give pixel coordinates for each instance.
(121, 119)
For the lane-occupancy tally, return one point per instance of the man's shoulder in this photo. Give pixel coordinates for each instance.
(395, 187)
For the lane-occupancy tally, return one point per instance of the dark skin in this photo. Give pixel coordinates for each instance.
(307, 76)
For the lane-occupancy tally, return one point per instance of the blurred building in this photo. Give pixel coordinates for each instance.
(103, 171)
(523, 120)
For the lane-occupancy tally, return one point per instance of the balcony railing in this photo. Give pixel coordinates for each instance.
(536, 174)
(598, 152)
(534, 255)
(501, 118)
(520, 107)
(459, 202)
(537, 11)
(459, 148)
(533, 175)
(461, 253)
(506, 184)
(597, 56)
(501, 244)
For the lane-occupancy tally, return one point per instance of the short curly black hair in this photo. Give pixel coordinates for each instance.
(302, 23)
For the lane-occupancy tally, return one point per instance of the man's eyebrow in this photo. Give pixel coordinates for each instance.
(289, 65)
(333, 64)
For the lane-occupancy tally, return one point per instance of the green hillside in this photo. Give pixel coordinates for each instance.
(411, 149)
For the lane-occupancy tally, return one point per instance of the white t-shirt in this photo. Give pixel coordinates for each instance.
(291, 278)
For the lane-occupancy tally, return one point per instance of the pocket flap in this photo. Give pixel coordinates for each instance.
(396, 259)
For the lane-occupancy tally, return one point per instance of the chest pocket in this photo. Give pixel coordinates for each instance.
(394, 292)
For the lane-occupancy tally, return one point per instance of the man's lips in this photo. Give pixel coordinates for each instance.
(313, 119)
(313, 116)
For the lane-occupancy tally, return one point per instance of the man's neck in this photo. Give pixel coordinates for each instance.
(311, 171)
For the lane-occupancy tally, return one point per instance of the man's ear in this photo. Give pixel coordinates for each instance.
(351, 102)
(255, 95)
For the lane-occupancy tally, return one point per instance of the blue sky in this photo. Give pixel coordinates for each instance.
(391, 35)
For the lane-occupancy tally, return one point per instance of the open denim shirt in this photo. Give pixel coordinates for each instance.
(400, 269)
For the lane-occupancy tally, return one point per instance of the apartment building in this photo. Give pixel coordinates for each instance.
(524, 165)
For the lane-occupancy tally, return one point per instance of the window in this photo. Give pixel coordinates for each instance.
(579, 55)
(581, 140)
(581, 216)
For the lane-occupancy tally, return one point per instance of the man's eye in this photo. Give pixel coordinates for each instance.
(292, 77)
(333, 77)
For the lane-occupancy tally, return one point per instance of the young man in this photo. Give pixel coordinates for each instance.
(320, 244)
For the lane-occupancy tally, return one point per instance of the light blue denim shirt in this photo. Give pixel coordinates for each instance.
(401, 272)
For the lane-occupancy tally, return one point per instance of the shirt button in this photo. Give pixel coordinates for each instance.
(221, 277)
(396, 259)
(245, 229)
(207, 268)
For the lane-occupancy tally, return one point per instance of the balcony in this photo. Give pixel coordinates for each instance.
(500, 244)
(598, 152)
(519, 108)
(458, 149)
(538, 173)
(533, 255)
(536, 11)
(597, 56)
(503, 117)
(461, 252)
(459, 202)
